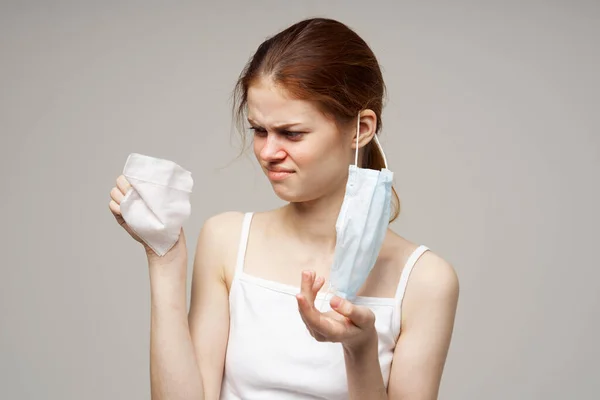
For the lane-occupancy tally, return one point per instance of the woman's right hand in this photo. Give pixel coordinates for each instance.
(116, 194)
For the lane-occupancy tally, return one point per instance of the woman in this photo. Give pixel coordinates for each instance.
(259, 324)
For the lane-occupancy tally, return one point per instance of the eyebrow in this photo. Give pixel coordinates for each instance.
(277, 127)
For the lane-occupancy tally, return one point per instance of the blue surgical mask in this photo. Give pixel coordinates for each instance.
(361, 225)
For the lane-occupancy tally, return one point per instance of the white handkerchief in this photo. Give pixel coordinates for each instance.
(158, 202)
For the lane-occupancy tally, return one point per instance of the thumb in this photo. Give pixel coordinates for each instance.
(359, 315)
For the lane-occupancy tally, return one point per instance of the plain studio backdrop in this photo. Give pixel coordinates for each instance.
(491, 127)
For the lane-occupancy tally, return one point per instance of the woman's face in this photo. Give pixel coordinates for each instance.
(300, 150)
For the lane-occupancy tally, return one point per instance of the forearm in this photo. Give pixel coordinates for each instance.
(363, 371)
(174, 371)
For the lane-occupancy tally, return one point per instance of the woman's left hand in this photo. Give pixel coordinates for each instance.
(349, 324)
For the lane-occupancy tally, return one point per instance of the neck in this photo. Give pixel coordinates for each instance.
(313, 222)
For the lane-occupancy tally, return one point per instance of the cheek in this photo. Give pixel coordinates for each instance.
(310, 160)
(318, 150)
(329, 155)
(303, 158)
(321, 168)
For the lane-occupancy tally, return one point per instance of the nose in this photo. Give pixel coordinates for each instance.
(272, 149)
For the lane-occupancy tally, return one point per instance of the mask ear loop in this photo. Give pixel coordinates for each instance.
(357, 136)
(381, 151)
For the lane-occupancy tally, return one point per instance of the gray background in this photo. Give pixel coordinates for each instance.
(491, 128)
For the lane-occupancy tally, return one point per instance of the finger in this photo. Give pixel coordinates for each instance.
(317, 285)
(358, 315)
(309, 314)
(123, 184)
(303, 309)
(114, 208)
(306, 287)
(116, 195)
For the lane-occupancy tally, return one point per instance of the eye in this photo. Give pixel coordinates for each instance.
(258, 131)
(292, 135)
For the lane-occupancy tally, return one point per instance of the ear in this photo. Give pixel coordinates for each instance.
(367, 128)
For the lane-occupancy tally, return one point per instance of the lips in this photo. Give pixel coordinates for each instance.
(278, 174)
(279, 170)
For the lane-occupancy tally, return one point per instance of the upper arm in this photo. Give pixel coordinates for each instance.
(209, 300)
(428, 313)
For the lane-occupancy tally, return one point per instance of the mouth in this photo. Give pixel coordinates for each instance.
(276, 174)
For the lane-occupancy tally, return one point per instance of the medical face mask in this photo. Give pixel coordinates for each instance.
(361, 225)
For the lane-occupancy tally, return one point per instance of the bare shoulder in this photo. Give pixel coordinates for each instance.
(434, 276)
(433, 288)
(223, 225)
(218, 241)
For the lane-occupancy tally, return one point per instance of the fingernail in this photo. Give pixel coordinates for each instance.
(335, 302)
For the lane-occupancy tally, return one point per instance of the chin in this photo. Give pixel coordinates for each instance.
(290, 196)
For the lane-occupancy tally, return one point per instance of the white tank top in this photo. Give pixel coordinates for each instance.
(271, 355)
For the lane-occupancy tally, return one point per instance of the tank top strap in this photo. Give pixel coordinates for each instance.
(241, 256)
(408, 267)
(400, 291)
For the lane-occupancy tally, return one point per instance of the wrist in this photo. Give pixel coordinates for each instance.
(365, 347)
(177, 254)
(171, 267)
